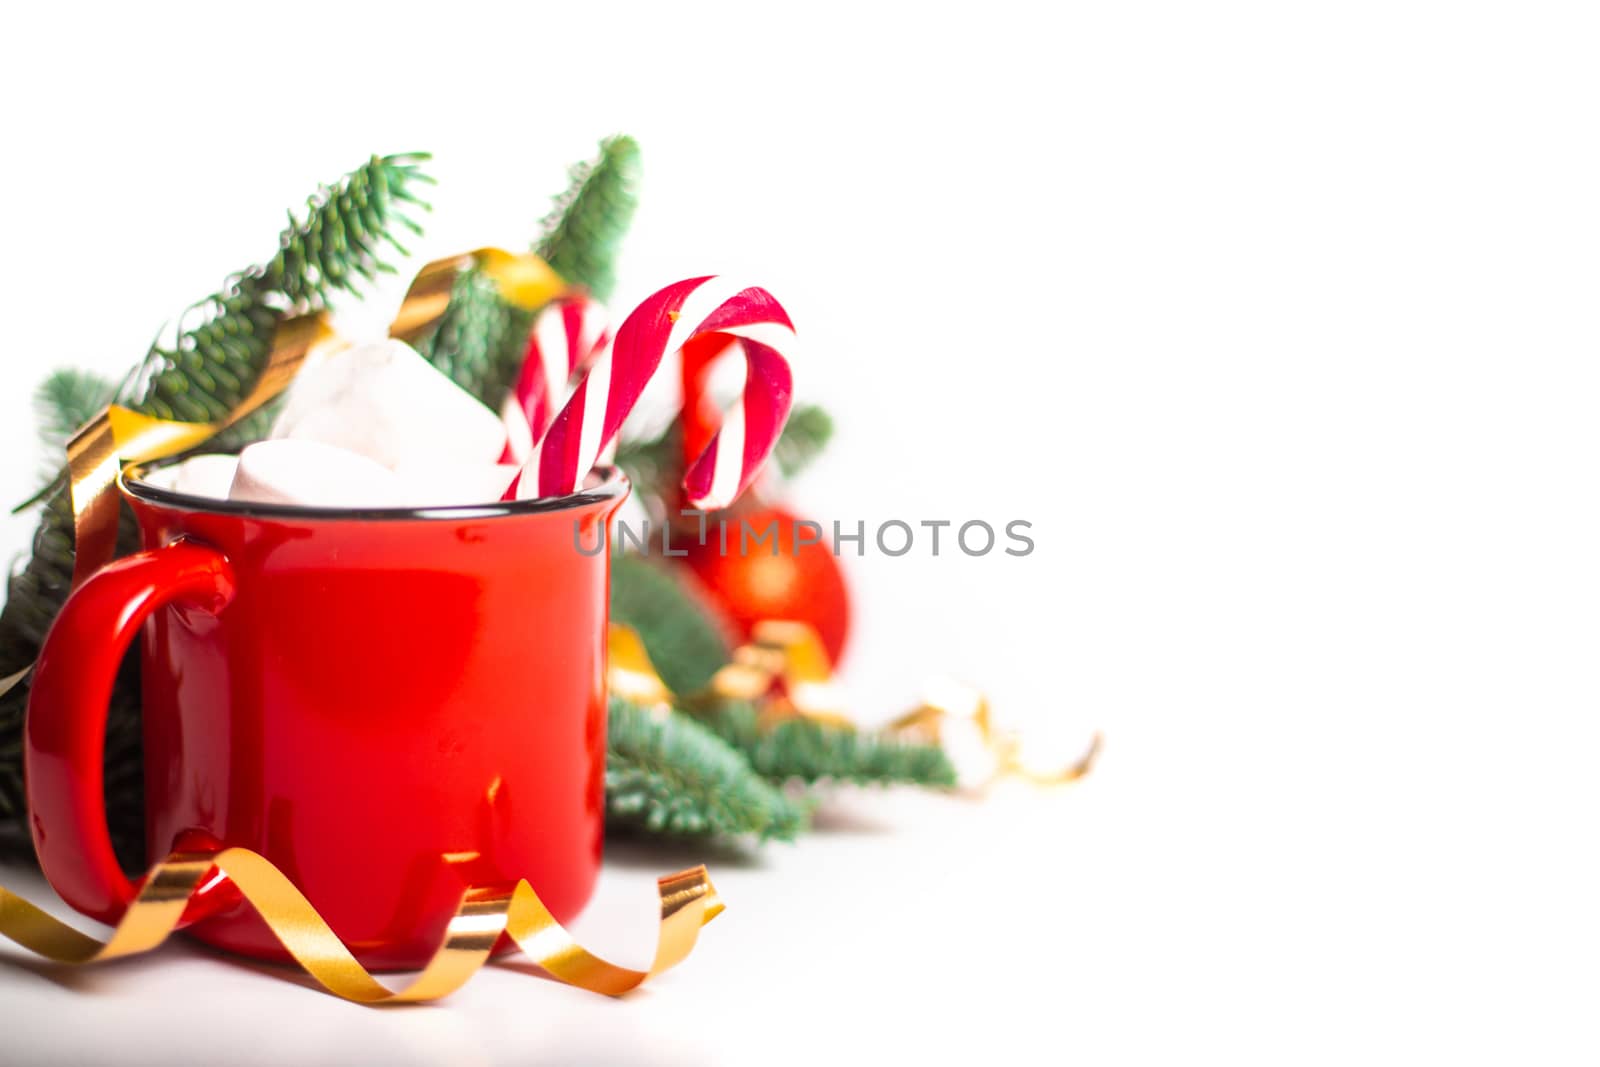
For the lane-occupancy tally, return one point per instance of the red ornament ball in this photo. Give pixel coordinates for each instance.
(801, 583)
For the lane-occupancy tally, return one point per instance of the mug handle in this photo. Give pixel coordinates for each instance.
(65, 727)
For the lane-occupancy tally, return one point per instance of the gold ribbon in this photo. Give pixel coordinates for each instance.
(959, 703)
(631, 675)
(119, 435)
(525, 281)
(688, 902)
(785, 668)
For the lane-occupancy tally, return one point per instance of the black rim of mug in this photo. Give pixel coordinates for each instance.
(607, 483)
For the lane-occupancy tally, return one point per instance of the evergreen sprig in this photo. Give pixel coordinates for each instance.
(686, 643)
(805, 435)
(480, 340)
(653, 464)
(62, 403)
(670, 774)
(583, 232)
(66, 400)
(339, 243)
(686, 640)
(810, 751)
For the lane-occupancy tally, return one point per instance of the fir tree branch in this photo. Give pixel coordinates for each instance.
(583, 232)
(804, 437)
(654, 465)
(686, 640)
(66, 400)
(339, 244)
(811, 751)
(209, 366)
(672, 775)
(480, 340)
(686, 643)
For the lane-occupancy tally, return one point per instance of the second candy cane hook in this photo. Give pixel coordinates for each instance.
(663, 323)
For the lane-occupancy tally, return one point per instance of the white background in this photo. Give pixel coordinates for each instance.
(1277, 321)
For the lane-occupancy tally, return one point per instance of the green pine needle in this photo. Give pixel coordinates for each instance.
(480, 340)
(671, 775)
(583, 232)
(810, 751)
(678, 627)
(804, 437)
(685, 641)
(339, 244)
(653, 465)
(62, 403)
(210, 365)
(66, 400)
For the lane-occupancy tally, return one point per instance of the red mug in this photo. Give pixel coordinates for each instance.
(387, 704)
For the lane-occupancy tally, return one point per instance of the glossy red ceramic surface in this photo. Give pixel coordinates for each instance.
(388, 706)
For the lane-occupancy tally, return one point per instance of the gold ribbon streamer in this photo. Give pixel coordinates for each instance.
(630, 674)
(785, 663)
(119, 435)
(688, 902)
(785, 667)
(957, 703)
(524, 280)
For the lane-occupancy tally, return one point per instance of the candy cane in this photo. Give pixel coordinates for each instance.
(664, 323)
(566, 335)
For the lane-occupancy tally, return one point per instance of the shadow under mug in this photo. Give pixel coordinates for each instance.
(390, 705)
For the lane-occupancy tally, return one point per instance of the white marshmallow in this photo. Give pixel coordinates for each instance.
(436, 485)
(198, 475)
(314, 474)
(205, 475)
(389, 404)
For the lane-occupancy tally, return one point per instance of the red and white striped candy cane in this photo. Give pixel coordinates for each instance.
(662, 324)
(566, 335)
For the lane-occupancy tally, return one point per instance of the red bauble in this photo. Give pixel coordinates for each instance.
(803, 584)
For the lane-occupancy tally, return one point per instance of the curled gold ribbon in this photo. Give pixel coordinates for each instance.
(524, 280)
(957, 703)
(688, 902)
(784, 667)
(119, 435)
